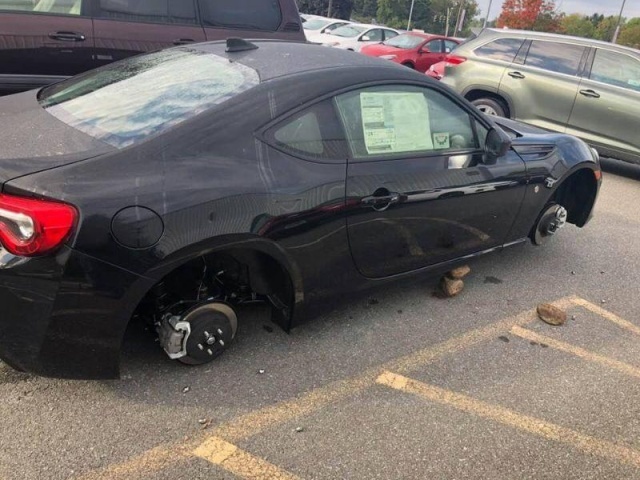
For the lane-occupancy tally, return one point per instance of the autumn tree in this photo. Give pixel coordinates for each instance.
(526, 14)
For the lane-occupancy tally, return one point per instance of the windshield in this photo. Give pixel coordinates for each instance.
(124, 102)
(315, 24)
(348, 31)
(405, 41)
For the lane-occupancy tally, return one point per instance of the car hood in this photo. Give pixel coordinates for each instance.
(381, 49)
(33, 140)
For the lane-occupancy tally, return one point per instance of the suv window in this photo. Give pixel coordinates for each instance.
(396, 121)
(116, 105)
(315, 133)
(69, 7)
(555, 56)
(167, 11)
(247, 14)
(616, 69)
(503, 49)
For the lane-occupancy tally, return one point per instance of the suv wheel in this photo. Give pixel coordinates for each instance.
(489, 106)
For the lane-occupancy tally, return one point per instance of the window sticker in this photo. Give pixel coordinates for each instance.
(441, 141)
(395, 122)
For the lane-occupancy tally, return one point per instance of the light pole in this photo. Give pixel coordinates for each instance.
(330, 5)
(615, 35)
(486, 17)
(410, 15)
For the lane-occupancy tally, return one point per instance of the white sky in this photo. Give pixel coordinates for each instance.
(586, 7)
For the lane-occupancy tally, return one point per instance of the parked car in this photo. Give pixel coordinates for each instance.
(145, 190)
(315, 26)
(355, 36)
(45, 41)
(412, 49)
(560, 83)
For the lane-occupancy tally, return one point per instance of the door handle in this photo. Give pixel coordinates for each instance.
(183, 41)
(381, 202)
(68, 36)
(516, 75)
(590, 93)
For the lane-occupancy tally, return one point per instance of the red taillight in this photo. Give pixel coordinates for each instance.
(31, 227)
(454, 60)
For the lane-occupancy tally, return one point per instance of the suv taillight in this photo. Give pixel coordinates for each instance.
(31, 227)
(454, 60)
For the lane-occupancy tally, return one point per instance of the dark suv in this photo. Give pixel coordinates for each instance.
(44, 41)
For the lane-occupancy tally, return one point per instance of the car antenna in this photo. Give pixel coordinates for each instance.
(239, 45)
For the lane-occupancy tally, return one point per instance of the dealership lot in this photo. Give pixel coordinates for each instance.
(397, 384)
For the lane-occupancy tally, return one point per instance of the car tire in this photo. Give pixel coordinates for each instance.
(489, 106)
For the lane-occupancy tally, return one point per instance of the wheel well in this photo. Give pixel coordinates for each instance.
(578, 194)
(234, 275)
(408, 64)
(476, 94)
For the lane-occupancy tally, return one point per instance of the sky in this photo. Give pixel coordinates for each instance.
(587, 7)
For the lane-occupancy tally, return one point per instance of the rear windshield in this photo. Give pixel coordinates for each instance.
(124, 102)
(407, 41)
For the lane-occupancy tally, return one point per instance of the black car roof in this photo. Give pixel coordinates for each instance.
(277, 58)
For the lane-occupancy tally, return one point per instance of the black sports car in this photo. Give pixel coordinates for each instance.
(176, 186)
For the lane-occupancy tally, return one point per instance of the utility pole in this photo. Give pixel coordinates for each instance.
(446, 32)
(410, 15)
(615, 35)
(330, 5)
(459, 17)
(486, 17)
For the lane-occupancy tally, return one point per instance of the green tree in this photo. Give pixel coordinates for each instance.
(577, 25)
(630, 34)
(339, 9)
(606, 28)
(365, 9)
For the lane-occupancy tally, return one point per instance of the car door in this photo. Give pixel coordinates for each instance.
(543, 88)
(416, 173)
(128, 27)
(42, 42)
(430, 53)
(611, 91)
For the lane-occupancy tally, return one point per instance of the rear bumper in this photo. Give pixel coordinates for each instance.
(65, 316)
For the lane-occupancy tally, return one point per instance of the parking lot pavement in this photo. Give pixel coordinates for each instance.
(397, 384)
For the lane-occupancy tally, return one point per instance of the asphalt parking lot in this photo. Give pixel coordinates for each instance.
(397, 384)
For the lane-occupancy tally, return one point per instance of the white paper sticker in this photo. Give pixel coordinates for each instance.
(395, 122)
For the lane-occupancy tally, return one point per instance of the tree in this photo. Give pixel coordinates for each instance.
(630, 34)
(527, 14)
(577, 25)
(606, 28)
(339, 8)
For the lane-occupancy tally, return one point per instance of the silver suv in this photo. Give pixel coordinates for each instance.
(584, 87)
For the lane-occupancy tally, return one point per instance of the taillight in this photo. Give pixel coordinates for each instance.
(31, 227)
(454, 60)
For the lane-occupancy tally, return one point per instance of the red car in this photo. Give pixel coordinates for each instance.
(414, 50)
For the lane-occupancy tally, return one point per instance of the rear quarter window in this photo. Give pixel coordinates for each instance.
(125, 102)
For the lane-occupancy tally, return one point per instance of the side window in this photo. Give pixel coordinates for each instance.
(244, 14)
(167, 11)
(389, 34)
(555, 56)
(315, 133)
(396, 121)
(504, 49)
(374, 35)
(449, 46)
(616, 69)
(331, 28)
(434, 46)
(66, 7)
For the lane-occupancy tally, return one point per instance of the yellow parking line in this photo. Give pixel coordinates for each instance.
(240, 463)
(612, 317)
(577, 351)
(253, 423)
(549, 431)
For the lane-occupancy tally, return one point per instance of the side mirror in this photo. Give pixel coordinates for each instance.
(365, 38)
(423, 50)
(497, 145)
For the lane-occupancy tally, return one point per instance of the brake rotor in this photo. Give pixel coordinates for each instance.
(550, 222)
(213, 327)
